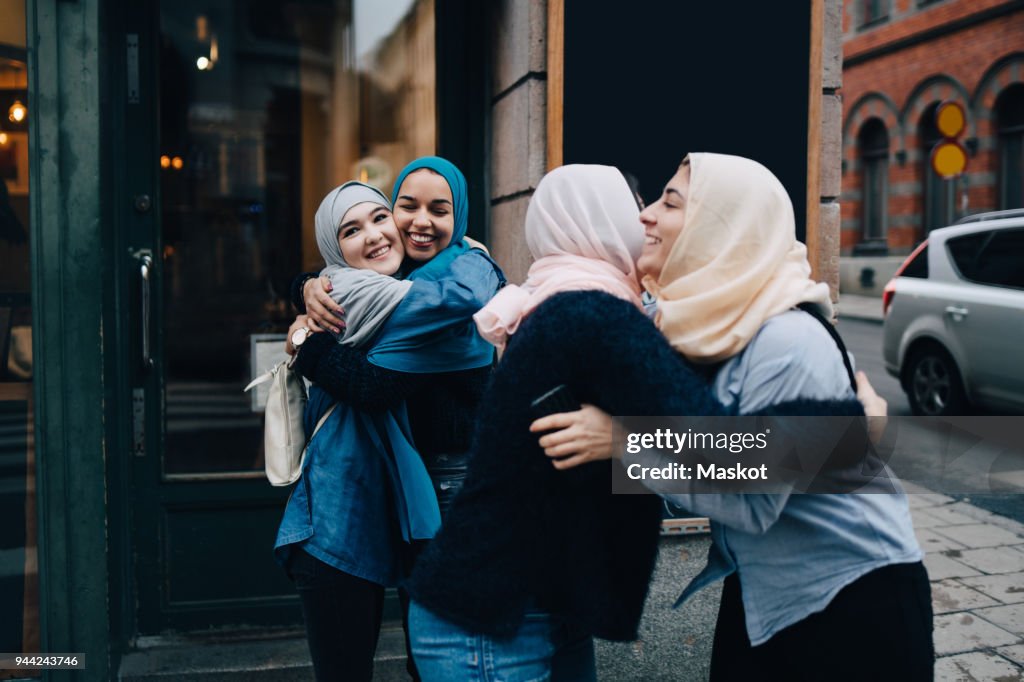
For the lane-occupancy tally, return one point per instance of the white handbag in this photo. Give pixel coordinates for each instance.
(284, 439)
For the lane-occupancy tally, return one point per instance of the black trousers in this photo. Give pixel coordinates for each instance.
(343, 613)
(343, 616)
(878, 627)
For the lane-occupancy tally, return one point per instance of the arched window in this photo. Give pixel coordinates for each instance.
(1010, 128)
(873, 11)
(873, 143)
(939, 194)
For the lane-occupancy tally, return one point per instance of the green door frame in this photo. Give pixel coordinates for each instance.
(71, 306)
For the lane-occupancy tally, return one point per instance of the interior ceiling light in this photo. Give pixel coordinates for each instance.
(17, 112)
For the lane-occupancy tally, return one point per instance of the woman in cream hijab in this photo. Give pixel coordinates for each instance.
(816, 586)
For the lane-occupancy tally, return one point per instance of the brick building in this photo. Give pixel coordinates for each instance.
(902, 59)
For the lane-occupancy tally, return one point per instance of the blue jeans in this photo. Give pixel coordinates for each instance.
(543, 649)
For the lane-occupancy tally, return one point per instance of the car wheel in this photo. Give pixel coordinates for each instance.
(933, 386)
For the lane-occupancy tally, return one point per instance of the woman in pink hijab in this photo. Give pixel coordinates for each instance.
(531, 562)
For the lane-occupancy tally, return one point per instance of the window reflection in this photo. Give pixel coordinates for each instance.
(265, 106)
(19, 584)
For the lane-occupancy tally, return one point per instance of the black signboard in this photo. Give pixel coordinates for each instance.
(647, 81)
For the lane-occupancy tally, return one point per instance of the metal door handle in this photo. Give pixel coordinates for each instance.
(145, 270)
(958, 311)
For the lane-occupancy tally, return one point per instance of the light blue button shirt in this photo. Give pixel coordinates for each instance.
(793, 553)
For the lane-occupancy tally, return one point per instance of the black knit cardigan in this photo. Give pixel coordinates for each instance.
(523, 534)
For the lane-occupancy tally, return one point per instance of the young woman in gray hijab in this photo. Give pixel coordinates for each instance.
(337, 539)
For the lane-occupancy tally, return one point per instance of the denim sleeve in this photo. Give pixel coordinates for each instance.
(792, 358)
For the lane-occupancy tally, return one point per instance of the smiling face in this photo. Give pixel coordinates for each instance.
(425, 214)
(663, 221)
(369, 240)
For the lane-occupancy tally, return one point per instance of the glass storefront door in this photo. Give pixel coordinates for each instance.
(19, 575)
(246, 114)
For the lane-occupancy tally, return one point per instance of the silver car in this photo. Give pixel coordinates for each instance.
(954, 318)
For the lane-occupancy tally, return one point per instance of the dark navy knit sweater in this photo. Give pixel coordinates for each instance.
(521, 531)
(441, 406)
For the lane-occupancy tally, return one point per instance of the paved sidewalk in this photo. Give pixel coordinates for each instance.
(975, 560)
(868, 308)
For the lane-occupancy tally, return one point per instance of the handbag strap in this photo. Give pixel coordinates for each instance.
(320, 423)
(812, 310)
(263, 378)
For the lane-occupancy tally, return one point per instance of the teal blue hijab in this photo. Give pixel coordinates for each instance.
(460, 208)
(432, 330)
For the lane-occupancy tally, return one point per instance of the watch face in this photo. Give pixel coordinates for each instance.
(299, 336)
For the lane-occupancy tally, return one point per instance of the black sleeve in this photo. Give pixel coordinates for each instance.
(347, 374)
(296, 290)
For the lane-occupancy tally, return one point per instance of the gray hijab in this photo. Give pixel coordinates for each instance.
(368, 297)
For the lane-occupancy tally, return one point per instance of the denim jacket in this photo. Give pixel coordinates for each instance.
(342, 510)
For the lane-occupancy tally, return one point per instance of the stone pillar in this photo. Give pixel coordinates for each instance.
(826, 260)
(518, 126)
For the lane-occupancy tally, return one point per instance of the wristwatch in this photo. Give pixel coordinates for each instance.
(299, 337)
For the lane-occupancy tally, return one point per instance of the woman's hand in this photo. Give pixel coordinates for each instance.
(576, 437)
(300, 322)
(324, 313)
(875, 407)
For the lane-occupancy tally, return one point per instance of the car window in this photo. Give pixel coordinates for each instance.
(964, 252)
(1001, 261)
(917, 267)
(995, 257)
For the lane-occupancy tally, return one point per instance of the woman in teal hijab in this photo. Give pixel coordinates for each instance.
(428, 355)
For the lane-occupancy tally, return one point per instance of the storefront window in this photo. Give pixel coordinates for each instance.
(19, 578)
(264, 107)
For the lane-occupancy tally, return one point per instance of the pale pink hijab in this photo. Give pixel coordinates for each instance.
(735, 263)
(583, 231)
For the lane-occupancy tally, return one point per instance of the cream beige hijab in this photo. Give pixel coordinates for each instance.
(736, 262)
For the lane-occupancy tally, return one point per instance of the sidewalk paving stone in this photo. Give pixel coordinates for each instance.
(979, 665)
(931, 541)
(1007, 588)
(977, 535)
(922, 519)
(991, 559)
(949, 595)
(918, 500)
(984, 516)
(952, 515)
(959, 632)
(941, 567)
(1009, 618)
(1014, 653)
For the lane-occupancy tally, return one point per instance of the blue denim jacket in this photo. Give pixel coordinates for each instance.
(793, 553)
(342, 510)
(364, 491)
